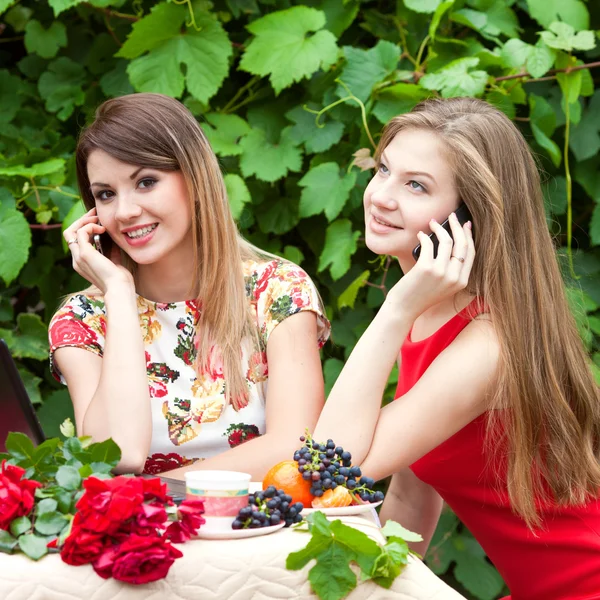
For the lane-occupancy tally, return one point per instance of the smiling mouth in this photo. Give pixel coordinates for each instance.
(382, 222)
(139, 233)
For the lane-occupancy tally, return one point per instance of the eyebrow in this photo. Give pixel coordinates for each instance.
(411, 173)
(132, 176)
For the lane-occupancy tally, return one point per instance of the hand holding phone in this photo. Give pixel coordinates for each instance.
(462, 214)
(97, 243)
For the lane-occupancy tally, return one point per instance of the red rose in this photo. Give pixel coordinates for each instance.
(107, 503)
(82, 547)
(189, 521)
(147, 519)
(71, 332)
(139, 559)
(155, 489)
(16, 494)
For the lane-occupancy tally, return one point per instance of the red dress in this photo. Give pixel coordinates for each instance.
(561, 562)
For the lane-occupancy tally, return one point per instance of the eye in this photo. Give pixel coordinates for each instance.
(383, 169)
(103, 195)
(146, 183)
(416, 186)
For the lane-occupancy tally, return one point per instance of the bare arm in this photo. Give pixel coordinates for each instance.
(294, 399)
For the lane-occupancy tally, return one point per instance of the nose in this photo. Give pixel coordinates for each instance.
(382, 197)
(127, 209)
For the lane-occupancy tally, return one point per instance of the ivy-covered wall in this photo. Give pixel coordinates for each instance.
(292, 97)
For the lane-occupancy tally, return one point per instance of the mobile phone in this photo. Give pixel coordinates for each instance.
(97, 243)
(462, 214)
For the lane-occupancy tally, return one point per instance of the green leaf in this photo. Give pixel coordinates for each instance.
(31, 340)
(47, 505)
(61, 87)
(364, 548)
(68, 477)
(50, 523)
(332, 578)
(543, 124)
(470, 18)
(224, 133)
(33, 545)
(515, 53)
(555, 195)
(278, 217)
(116, 82)
(203, 54)
(393, 529)
(562, 36)
(15, 241)
(19, 446)
(478, 576)
(397, 100)
(365, 68)
(56, 407)
(585, 136)
(595, 226)
(331, 371)
(47, 167)
(32, 385)
(456, 79)
(339, 14)
(7, 542)
(238, 194)
(17, 17)
(324, 190)
(19, 526)
(45, 42)
(348, 296)
(67, 428)
(440, 11)
(340, 245)
(10, 100)
(269, 162)
(107, 451)
(422, 6)
(386, 568)
(316, 138)
(501, 19)
(283, 48)
(4, 4)
(540, 59)
(573, 12)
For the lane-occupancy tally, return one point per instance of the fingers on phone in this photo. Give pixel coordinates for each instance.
(444, 239)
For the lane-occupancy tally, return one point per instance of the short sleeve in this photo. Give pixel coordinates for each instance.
(281, 289)
(81, 323)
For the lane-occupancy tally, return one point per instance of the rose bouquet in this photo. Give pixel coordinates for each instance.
(60, 497)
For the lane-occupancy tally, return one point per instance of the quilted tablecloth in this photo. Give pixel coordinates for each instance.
(245, 569)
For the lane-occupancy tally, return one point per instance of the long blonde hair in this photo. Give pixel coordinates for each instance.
(552, 425)
(156, 131)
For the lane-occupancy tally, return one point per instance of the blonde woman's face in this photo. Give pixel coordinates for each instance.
(145, 211)
(413, 184)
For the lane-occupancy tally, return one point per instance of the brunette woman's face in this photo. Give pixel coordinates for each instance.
(413, 184)
(145, 211)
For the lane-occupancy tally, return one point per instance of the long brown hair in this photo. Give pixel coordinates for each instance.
(156, 131)
(552, 425)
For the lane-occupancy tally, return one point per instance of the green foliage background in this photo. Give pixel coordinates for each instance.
(287, 94)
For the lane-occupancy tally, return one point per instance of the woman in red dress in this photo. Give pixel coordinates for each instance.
(496, 411)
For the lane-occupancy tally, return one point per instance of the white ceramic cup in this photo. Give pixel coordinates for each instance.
(224, 493)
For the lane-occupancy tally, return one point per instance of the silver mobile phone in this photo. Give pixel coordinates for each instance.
(97, 243)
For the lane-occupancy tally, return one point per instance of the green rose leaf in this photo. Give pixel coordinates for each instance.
(340, 245)
(325, 190)
(45, 42)
(238, 194)
(107, 451)
(573, 12)
(15, 241)
(562, 36)
(50, 523)
(456, 79)
(315, 137)
(19, 526)
(67, 428)
(61, 87)
(224, 133)
(348, 296)
(543, 124)
(33, 545)
(47, 505)
(365, 68)
(269, 162)
(289, 46)
(19, 446)
(7, 542)
(68, 477)
(204, 55)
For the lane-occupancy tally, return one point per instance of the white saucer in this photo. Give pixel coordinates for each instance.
(235, 534)
(343, 511)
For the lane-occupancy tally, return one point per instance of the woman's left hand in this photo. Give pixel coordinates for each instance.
(433, 279)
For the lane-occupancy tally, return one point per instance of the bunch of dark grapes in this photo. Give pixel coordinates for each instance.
(326, 466)
(267, 508)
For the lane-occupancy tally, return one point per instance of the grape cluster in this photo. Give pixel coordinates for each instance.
(326, 466)
(267, 508)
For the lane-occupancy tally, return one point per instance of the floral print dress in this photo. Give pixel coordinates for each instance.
(191, 419)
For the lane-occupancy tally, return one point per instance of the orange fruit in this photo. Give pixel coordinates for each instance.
(333, 498)
(285, 476)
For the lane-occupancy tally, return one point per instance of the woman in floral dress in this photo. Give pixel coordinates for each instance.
(190, 341)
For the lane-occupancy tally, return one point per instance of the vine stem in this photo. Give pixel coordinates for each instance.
(420, 52)
(569, 186)
(114, 13)
(227, 108)
(591, 65)
(192, 22)
(44, 226)
(381, 286)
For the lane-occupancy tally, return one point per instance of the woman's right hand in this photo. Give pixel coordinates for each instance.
(432, 280)
(101, 271)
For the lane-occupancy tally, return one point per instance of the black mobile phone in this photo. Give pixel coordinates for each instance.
(462, 214)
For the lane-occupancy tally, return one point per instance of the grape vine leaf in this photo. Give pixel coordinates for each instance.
(45, 42)
(573, 12)
(224, 133)
(316, 138)
(440, 11)
(365, 68)
(584, 140)
(543, 124)
(10, 88)
(340, 245)
(204, 54)
(61, 87)
(562, 36)
(422, 6)
(269, 162)
(456, 79)
(15, 241)
(595, 226)
(238, 194)
(501, 19)
(540, 59)
(289, 45)
(324, 190)
(398, 99)
(348, 296)
(59, 6)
